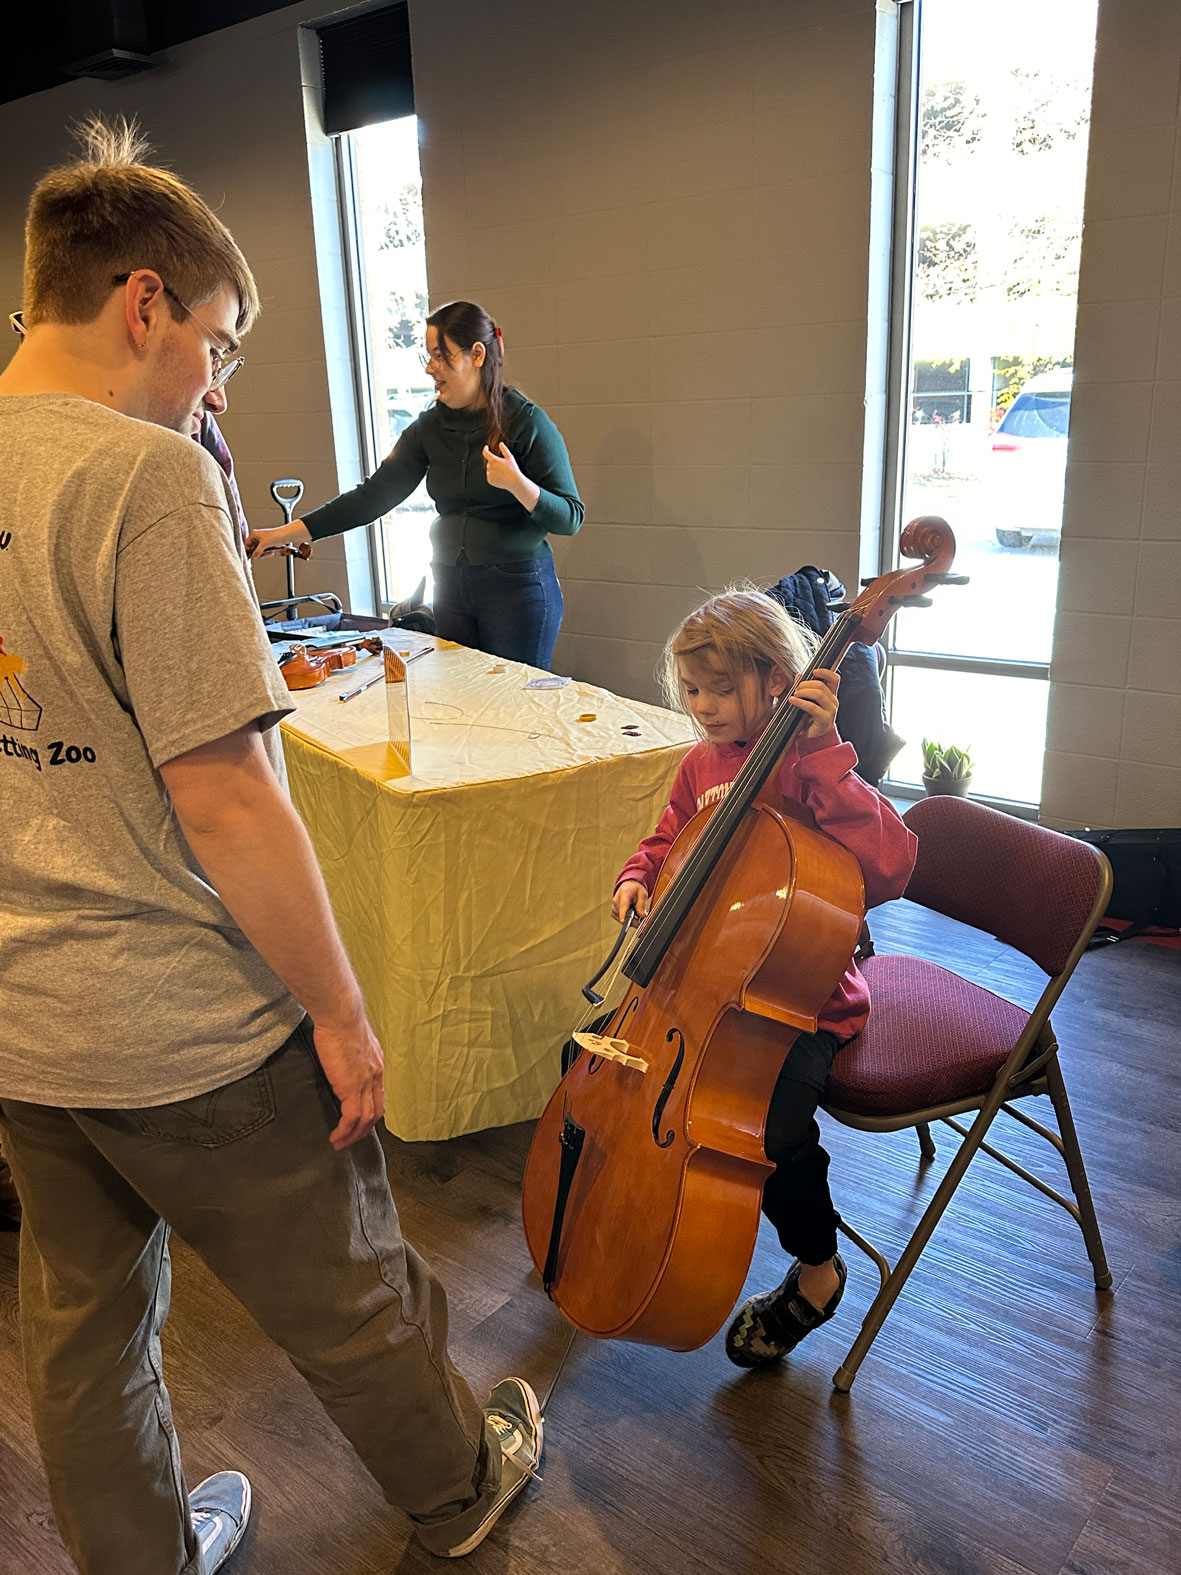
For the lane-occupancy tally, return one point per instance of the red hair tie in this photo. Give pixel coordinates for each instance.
(498, 334)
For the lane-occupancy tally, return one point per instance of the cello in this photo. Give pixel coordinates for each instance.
(643, 1186)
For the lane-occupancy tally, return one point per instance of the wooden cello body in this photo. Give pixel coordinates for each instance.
(644, 1182)
(683, 1141)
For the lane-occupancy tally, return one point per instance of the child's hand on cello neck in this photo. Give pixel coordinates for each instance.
(817, 698)
(814, 696)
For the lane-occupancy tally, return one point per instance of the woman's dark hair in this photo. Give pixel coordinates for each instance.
(466, 325)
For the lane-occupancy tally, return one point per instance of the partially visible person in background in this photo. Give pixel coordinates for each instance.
(208, 434)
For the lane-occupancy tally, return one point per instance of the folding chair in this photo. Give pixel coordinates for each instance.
(937, 1046)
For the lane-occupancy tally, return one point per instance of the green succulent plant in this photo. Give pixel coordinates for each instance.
(945, 760)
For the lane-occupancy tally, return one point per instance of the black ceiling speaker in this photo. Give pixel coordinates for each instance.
(109, 39)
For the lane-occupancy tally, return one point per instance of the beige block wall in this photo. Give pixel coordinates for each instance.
(666, 205)
(1114, 740)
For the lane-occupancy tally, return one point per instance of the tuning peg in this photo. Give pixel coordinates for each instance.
(869, 579)
(946, 579)
(911, 601)
(838, 607)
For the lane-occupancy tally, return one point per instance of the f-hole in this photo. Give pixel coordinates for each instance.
(670, 1083)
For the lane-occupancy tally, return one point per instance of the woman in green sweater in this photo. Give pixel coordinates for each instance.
(498, 473)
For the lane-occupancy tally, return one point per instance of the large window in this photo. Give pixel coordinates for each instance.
(1001, 116)
(382, 192)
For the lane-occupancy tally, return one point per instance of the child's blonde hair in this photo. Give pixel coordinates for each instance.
(744, 631)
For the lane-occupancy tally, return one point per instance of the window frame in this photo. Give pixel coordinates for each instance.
(907, 132)
(360, 359)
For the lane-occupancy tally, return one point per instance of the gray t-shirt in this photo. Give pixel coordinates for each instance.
(129, 634)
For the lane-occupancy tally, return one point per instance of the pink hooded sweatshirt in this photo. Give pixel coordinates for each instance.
(818, 774)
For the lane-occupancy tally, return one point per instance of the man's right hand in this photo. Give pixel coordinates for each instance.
(260, 542)
(354, 1066)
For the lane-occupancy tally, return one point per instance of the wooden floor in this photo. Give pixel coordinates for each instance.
(1010, 1418)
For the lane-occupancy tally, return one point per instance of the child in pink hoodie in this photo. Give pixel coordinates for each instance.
(729, 664)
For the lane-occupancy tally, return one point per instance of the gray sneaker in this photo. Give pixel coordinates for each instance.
(514, 1416)
(221, 1508)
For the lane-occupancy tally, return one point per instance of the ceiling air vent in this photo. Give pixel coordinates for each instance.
(107, 39)
(111, 65)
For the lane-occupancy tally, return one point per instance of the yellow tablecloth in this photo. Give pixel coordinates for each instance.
(473, 894)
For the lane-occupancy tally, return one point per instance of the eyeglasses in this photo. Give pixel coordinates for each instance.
(225, 362)
(441, 357)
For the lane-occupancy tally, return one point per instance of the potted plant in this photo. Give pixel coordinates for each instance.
(946, 769)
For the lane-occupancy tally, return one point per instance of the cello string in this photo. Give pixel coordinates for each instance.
(588, 1015)
(589, 1012)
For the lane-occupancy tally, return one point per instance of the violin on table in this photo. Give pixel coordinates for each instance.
(305, 666)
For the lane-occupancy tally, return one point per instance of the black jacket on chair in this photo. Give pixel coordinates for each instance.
(861, 714)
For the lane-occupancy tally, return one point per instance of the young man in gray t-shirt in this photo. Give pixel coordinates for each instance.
(173, 1051)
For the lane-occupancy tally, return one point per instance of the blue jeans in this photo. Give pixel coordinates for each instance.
(511, 609)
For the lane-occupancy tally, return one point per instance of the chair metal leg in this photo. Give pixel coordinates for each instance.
(926, 1141)
(881, 1264)
(1072, 1154)
(890, 1291)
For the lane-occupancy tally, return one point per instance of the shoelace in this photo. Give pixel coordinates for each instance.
(504, 1427)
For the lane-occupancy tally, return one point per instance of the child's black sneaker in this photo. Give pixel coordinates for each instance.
(769, 1326)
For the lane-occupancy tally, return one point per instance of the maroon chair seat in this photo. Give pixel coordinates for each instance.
(932, 1038)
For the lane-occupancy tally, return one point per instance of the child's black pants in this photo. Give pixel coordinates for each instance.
(796, 1198)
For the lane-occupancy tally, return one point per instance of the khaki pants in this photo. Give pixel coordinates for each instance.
(308, 1241)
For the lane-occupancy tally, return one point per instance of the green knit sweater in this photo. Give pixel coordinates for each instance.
(477, 523)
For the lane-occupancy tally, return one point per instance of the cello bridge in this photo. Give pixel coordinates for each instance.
(608, 1049)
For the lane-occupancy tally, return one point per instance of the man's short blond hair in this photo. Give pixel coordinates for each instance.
(108, 214)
